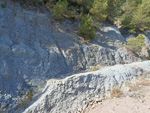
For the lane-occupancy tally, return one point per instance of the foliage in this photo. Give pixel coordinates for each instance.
(59, 9)
(141, 18)
(133, 31)
(136, 14)
(86, 30)
(3, 5)
(84, 4)
(114, 8)
(133, 14)
(126, 19)
(136, 44)
(98, 10)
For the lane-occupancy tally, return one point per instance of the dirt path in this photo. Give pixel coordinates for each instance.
(137, 100)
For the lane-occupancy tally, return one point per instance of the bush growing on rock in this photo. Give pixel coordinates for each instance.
(86, 30)
(30, 95)
(136, 44)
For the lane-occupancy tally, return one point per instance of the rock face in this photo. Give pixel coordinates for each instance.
(34, 49)
(67, 95)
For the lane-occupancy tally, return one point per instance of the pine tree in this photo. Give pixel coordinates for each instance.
(86, 29)
(98, 10)
(59, 9)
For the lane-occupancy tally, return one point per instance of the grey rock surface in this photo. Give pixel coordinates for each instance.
(73, 93)
(34, 49)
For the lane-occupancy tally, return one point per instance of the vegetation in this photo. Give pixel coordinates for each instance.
(132, 14)
(136, 44)
(59, 9)
(116, 92)
(3, 5)
(26, 99)
(98, 10)
(30, 95)
(136, 15)
(86, 30)
(94, 68)
(114, 8)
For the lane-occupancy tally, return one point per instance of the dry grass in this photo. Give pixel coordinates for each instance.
(116, 92)
(94, 68)
(134, 86)
(85, 41)
(145, 83)
(141, 81)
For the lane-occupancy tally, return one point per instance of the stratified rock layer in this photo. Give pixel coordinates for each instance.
(72, 94)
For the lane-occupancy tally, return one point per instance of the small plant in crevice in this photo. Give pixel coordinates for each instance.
(30, 95)
(136, 44)
(26, 98)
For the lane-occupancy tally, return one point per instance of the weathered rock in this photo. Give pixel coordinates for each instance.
(69, 95)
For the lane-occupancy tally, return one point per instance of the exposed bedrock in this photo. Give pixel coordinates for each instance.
(73, 93)
(34, 49)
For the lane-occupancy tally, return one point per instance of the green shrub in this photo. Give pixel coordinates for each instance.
(114, 8)
(136, 44)
(126, 19)
(136, 14)
(85, 5)
(98, 10)
(3, 5)
(86, 30)
(133, 31)
(59, 9)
